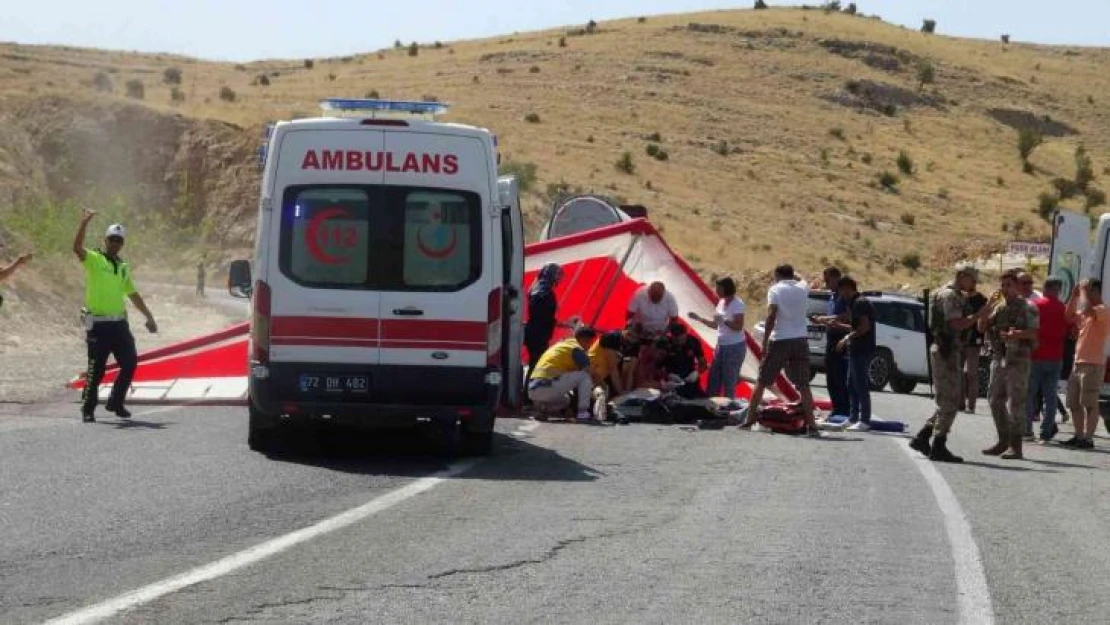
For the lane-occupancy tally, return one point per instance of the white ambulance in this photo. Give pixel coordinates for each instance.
(387, 276)
(1073, 258)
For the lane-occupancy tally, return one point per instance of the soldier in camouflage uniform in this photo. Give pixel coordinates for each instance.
(946, 322)
(1011, 329)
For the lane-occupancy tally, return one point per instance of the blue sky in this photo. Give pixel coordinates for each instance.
(243, 30)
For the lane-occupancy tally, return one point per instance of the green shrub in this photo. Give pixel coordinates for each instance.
(909, 219)
(888, 181)
(309, 63)
(227, 94)
(926, 75)
(837, 132)
(373, 95)
(103, 83)
(1047, 203)
(662, 155)
(525, 173)
(652, 149)
(656, 137)
(1084, 169)
(911, 261)
(721, 148)
(177, 95)
(1066, 188)
(172, 76)
(626, 164)
(414, 49)
(562, 42)
(1095, 198)
(135, 89)
(1028, 140)
(532, 118)
(263, 80)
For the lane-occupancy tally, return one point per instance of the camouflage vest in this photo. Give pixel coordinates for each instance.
(943, 302)
(1018, 314)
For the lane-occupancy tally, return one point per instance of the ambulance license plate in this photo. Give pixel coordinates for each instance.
(322, 384)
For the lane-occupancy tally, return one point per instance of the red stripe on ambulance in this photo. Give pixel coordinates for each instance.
(358, 160)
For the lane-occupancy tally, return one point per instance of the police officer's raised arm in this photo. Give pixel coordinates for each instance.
(79, 238)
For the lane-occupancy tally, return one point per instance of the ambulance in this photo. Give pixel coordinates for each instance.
(1074, 257)
(386, 284)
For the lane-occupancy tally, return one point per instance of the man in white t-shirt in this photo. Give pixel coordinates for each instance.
(785, 344)
(652, 310)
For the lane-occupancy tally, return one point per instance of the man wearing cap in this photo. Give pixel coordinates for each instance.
(946, 321)
(107, 283)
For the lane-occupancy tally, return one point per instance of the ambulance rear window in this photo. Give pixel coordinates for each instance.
(381, 238)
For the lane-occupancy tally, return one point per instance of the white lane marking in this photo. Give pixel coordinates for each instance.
(523, 431)
(973, 593)
(234, 562)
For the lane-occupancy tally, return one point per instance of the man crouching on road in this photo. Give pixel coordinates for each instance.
(946, 323)
(563, 368)
(107, 282)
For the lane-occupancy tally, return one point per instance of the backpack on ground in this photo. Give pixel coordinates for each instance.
(783, 419)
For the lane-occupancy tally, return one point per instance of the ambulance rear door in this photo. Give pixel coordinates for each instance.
(512, 246)
(1070, 260)
(325, 321)
(442, 282)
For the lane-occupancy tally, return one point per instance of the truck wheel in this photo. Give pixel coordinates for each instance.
(880, 370)
(902, 385)
(263, 431)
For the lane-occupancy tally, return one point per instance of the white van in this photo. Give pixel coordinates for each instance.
(388, 275)
(1073, 258)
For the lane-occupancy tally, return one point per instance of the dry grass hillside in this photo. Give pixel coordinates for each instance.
(777, 127)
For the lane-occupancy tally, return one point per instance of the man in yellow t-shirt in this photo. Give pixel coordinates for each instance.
(108, 284)
(563, 368)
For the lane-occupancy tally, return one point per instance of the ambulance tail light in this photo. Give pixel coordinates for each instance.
(260, 324)
(493, 330)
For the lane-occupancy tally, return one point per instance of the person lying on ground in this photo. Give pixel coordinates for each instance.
(685, 359)
(649, 366)
(652, 309)
(563, 368)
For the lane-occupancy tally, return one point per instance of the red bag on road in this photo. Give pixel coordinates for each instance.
(783, 419)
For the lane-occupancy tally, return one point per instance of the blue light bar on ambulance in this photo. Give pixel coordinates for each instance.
(383, 106)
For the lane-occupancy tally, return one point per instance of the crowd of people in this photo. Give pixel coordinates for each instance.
(1033, 340)
(1027, 336)
(654, 350)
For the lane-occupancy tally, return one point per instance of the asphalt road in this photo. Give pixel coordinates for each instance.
(562, 524)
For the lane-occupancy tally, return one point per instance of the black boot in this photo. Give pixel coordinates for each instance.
(921, 441)
(940, 451)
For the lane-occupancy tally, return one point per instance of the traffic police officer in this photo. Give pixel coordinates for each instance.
(946, 322)
(1011, 329)
(107, 283)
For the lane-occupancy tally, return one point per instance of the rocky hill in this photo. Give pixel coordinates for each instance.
(754, 136)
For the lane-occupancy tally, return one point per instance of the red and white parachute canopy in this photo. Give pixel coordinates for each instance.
(602, 269)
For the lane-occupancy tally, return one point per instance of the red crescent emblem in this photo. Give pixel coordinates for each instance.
(312, 239)
(436, 254)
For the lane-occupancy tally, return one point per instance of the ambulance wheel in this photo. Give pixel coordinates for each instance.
(263, 431)
(476, 443)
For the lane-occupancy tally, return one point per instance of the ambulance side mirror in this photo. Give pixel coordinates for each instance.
(239, 282)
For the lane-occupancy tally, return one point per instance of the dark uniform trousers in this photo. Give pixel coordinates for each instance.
(104, 339)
